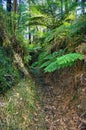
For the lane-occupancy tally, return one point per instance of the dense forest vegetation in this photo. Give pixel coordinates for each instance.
(42, 48)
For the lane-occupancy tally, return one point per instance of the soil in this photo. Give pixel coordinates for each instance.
(63, 100)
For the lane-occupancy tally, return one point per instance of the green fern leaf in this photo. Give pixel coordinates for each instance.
(51, 67)
(63, 61)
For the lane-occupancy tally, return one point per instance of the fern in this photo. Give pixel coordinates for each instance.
(46, 58)
(51, 67)
(67, 30)
(45, 64)
(63, 61)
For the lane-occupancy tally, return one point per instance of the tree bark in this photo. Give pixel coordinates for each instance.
(15, 6)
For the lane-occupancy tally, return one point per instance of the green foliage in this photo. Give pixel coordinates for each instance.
(63, 28)
(53, 26)
(24, 95)
(8, 74)
(66, 29)
(46, 58)
(63, 61)
(27, 50)
(56, 60)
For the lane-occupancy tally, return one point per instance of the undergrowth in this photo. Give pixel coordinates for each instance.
(8, 73)
(60, 45)
(56, 60)
(18, 106)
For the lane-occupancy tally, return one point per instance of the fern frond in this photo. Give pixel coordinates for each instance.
(63, 61)
(51, 67)
(45, 64)
(45, 58)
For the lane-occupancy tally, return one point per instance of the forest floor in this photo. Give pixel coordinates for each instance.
(42, 105)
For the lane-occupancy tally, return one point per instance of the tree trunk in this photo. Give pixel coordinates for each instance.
(29, 35)
(15, 11)
(9, 5)
(62, 8)
(19, 13)
(1, 3)
(9, 19)
(83, 6)
(15, 6)
(66, 5)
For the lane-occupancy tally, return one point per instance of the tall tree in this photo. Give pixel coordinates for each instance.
(9, 7)
(62, 8)
(66, 5)
(29, 35)
(15, 6)
(0, 2)
(83, 6)
(15, 11)
(9, 19)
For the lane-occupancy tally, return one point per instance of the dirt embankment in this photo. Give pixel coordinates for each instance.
(64, 98)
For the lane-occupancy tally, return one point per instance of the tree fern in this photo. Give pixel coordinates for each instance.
(78, 25)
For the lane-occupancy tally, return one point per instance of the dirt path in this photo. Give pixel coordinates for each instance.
(59, 108)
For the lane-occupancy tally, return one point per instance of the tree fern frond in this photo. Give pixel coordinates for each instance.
(51, 67)
(45, 64)
(46, 58)
(63, 61)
